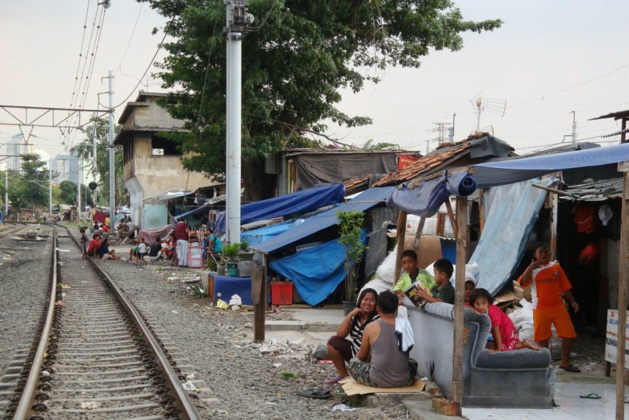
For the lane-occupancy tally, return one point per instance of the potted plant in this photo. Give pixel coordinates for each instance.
(350, 227)
(230, 254)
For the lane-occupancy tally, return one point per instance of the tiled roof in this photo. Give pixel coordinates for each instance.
(594, 190)
(426, 164)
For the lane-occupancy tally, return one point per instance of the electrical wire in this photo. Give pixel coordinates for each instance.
(78, 67)
(159, 47)
(135, 25)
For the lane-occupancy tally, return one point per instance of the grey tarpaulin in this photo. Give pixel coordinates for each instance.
(313, 169)
(425, 199)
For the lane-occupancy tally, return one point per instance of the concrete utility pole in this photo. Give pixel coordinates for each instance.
(49, 188)
(112, 177)
(94, 150)
(238, 21)
(6, 192)
(574, 127)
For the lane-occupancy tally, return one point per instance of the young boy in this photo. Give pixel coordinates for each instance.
(83, 242)
(443, 290)
(550, 285)
(470, 286)
(142, 251)
(411, 274)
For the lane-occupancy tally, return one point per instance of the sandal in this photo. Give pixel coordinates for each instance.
(591, 396)
(332, 381)
(570, 368)
(319, 394)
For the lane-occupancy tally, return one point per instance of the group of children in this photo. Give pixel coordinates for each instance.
(549, 287)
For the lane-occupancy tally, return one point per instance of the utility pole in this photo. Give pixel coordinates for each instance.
(6, 191)
(78, 214)
(574, 127)
(112, 177)
(49, 189)
(238, 21)
(94, 167)
(451, 134)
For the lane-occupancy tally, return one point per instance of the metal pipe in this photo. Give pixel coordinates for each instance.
(112, 176)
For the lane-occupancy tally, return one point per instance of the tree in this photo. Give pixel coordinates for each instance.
(294, 65)
(85, 151)
(351, 230)
(31, 189)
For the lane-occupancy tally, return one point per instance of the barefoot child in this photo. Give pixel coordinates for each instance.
(502, 328)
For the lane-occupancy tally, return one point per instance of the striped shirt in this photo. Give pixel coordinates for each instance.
(356, 332)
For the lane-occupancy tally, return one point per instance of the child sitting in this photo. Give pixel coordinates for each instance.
(502, 328)
(142, 251)
(443, 290)
(411, 274)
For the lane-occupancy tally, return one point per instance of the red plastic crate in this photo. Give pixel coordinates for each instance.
(282, 293)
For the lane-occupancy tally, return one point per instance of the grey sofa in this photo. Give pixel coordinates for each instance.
(513, 379)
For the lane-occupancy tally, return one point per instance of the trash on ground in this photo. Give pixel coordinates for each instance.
(189, 386)
(221, 304)
(90, 405)
(343, 408)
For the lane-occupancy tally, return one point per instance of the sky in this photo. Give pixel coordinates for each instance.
(549, 58)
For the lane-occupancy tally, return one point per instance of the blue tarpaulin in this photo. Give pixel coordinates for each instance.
(516, 170)
(316, 272)
(425, 199)
(302, 232)
(256, 236)
(305, 200)
(511, 212)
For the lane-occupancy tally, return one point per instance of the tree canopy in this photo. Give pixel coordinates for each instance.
(85, 150)
(294, 65)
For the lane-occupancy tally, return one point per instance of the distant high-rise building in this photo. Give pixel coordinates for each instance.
(66, 167)
(15, 148)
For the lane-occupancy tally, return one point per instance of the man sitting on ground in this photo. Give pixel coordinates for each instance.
(389, 366)
(92, 249)
(156, 251)
(105, 253)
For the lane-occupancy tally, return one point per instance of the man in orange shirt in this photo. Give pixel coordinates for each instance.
(550, 286)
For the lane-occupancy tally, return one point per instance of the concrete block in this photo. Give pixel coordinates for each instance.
(422, 410)
(445, 407)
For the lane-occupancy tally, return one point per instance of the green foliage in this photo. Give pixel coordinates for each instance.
(289, 375)
(230, 251)
(294, 66)
(31, 187)
(350, 227)
(85, 151)
(198, 291)
(244, 246)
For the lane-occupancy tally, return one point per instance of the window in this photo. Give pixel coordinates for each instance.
(164, 147)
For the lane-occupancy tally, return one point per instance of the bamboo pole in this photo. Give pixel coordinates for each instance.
(459, 302)
(418, 234)
(401, 237)
(453, 222)
(623, 262)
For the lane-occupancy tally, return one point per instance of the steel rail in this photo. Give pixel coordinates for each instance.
(184, 402)
(24, 405)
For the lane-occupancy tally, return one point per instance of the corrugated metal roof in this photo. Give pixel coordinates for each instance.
(595, 190)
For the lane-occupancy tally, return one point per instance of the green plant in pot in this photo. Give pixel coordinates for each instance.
(350, 227)
(230, 254)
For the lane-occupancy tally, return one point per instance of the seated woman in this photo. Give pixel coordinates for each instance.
(340, 349)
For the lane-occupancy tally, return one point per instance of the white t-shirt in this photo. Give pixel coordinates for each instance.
(142, 248)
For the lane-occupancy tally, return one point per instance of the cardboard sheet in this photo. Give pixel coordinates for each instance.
(351, 387)
(429, 249)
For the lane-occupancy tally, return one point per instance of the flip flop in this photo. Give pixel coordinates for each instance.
(333, 380)
(319, 394)
(570, 368)
(591, 396)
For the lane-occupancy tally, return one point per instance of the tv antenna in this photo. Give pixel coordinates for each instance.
(494, 105)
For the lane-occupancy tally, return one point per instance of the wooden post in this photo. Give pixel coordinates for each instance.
(481, 210)
(401, 237)
(453, 222)
(623, 262)
(554, 218)
(459, 302)
(418, 234)
(259, 297)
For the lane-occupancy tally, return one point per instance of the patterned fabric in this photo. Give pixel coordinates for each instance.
(360, 371)
(356, 333)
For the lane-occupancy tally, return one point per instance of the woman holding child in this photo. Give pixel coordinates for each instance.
(342, 349)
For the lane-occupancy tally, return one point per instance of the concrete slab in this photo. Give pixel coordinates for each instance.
(422, 410)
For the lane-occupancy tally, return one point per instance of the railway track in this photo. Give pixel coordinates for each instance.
(97, 357)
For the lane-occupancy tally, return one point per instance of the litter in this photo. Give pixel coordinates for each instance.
(319, 394)
(221, 304)
(235, 300)
(591, 396)
(344, 408)
(189, 386)
(90, 405)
